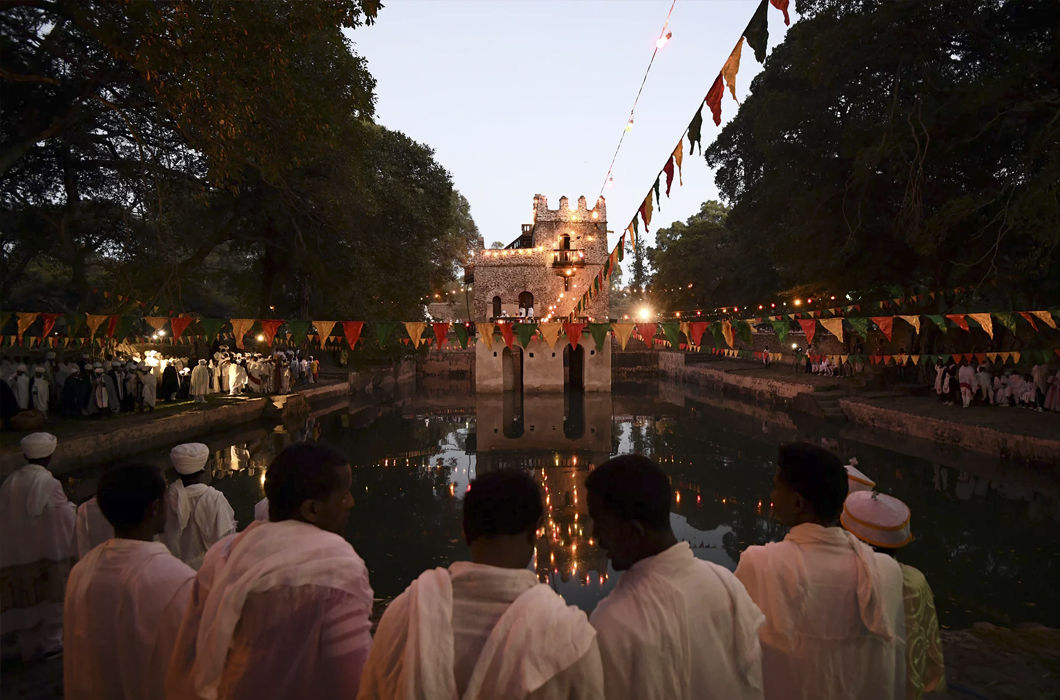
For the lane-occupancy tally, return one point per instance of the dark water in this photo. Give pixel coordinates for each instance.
(986, 530)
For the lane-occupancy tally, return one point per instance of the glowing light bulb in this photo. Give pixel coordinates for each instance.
(610, 181)
(661, 41)
(629, 124)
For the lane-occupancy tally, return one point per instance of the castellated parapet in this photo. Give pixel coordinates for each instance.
(550, 265)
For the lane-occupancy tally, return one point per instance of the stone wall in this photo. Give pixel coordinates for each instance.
(507, 273)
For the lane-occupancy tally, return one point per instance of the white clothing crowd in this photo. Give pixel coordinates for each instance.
(980, 384)
(282, 609)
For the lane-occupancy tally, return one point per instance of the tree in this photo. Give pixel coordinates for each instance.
(701, 263)
(927, 156)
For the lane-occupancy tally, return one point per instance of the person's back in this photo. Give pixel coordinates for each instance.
(281, 609)
(674, 626)
(834, 620)
(198, 514)
(91, 528)
(486, 628)
(126, 597)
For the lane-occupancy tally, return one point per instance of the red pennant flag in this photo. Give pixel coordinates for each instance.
(980, 357)
(179, 324)
(574, 332)
(809, 327)
(669, 170)
(646, 331)
(782, 5)
(959, 319)
(507, 332)
(886, 324)
(714, 95)
(697, 328)
(269, 328)
(353, 332)
(1029, 319)
(112, 325)
(48, 321)
(440, 330)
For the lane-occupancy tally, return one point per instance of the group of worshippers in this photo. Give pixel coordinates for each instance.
(282, 609)
(971, 383)
(235, 373)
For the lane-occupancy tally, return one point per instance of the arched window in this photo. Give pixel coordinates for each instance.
(564, 242)
(496, 307)
(526, 300)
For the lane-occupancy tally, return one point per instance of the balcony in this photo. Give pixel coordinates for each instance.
(565, 259)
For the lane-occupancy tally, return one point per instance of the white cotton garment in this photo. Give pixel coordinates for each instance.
(676, 627)
(197, 516)
(478, 632)
(280, 611)
(835, 625)
(124, 604)
(37, 522)
(91, 528)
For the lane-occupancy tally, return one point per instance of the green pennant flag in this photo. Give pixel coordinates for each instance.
(298, 331)
(5, 316)
(715, 330)
(757, 32)
(461, 334)
(781, 328)
(1007, 319)
(743, 331)
(73, 323)
(636, 228)
(938, 320)
(672, 331)
(656, 188)
(859, 325)
(599, 333)
(596, 284)
(622, 248)
(124, 328)
(695, 129)
(383, 330)
(525, 332)
(211, 327)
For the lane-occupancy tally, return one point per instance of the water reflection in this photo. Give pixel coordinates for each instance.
(982, 526)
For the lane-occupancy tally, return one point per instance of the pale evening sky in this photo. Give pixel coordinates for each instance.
(526, 97)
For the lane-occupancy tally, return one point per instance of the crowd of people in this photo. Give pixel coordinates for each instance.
(128, 383)
(282, 609)
(971, 383)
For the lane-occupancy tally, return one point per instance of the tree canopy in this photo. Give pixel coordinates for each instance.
(891, 146)
(216, 156)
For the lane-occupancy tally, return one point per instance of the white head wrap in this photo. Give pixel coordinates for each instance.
(189, 457)
(38, 445)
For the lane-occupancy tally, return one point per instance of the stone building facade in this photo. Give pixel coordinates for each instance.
(550, 264)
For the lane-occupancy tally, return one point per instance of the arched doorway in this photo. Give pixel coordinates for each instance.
(526, 302)
(512, 369)
(573, 367)
(496, 307)
(564, 242)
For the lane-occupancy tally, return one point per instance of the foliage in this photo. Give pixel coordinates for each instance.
(217, 156)
(902, 144)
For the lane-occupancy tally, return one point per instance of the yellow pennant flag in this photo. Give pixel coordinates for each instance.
(415, 331)
(726, 330)
(678, 156)
(632, 236)
(843, 359)
(913, 321)
(240, 327)
(93, 321)
(550, 332)
(25, 320)
(1005, 356)
(833, 326)
(485, 330)
(157, 322)
(984, 321)
(1046, 318)
(646, 210)
(732, 67)
(324, 328)
(623, 331)
(915, 359)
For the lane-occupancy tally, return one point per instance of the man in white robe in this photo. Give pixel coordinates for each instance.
(148, 387)
(674, 626)
(200, 382)
(40, 391)
(20, 385)
(966, 377)
(486, 628)
(126, 598)
(835, 627)
(281, 609)
(198, 515)
(91, 528)
(37, 522)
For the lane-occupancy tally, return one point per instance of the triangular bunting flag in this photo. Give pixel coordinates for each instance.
(415, 331)
(525, 332)
(782, 5)
(623, 331)
(1016, 358)
(713, 99)
(383, 331)
(299, 331)
(834, 326)
(574, 332)
(485, 331)
(156, 322)
(47, 323)
(913, 321)
(599, 333)
(859, 325)
(441, 332)
(915, 359)
(672, 331)
(984, 322)
(646, 211)
(696, 330)
(695, 127)
(210, 327)
(960, 320)
(809, 327)
(732, 67)
(461, 334)
(757, 32)
(324, 329)
(352, 331)
(112, 325)
(94, 321)
(726, 332)
(269, 326)
(646, 331)
(668, 170)
(507, 332)
(25, 320)
(1046, 318)
(179, 324)
(781, 328)
(550, 333)
(885, 324)
(678, 155)
(240, 327)
(938, 320)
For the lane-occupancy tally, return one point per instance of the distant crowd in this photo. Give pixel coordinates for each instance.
(31, 389)
(283, 608)
(971, 383)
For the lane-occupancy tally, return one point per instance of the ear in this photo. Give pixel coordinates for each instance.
(310, 510)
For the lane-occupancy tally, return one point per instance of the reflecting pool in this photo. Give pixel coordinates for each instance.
(985, 530)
